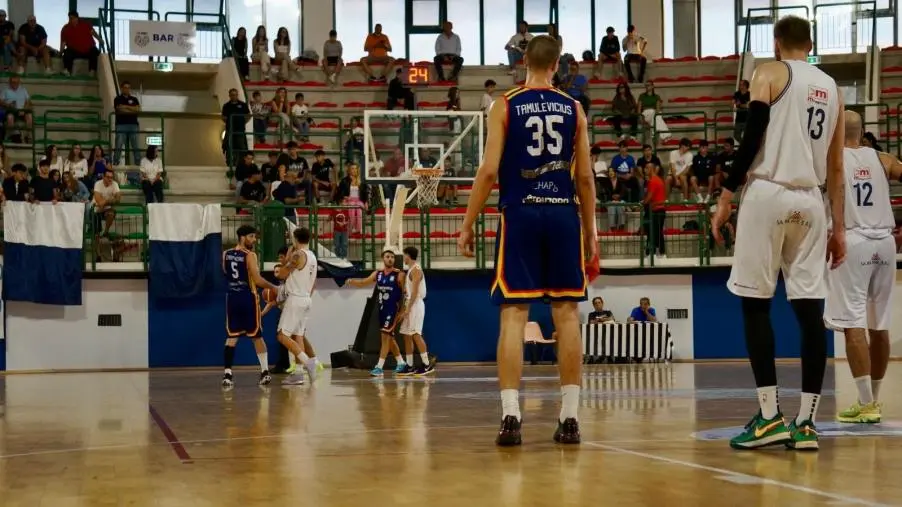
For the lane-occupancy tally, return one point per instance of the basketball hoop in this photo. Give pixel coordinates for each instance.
(427, 185)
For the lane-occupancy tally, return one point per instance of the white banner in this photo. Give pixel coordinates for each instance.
(161, 38)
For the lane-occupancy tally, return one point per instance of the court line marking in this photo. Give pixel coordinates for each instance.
(173, 440)
(739, 475)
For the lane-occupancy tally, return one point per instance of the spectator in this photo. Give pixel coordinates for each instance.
(75, 163)
(643, 313)
(398, 93)
(377, 47)
(680, 162)
(650, 105)
(43, 188)
(565, 59)
(741, 100)
(239, 53)
(97, 166)
(353, 148)
(516, 46)
(270, 168)
(624, 107)
(53, 158)
(599, 315)
(152, 176)
(604, 186)
(33, 42)
(106, 195)
(616, 211)
(15, 187)
(56, 177)
(300, 118)
(8, 33)
(575, 84)
(77, 41)
(634, 46)
(609, 52)
(868, 139)
(654, 202)
(447, 50)
(260, 113)
(340, 221)
(17, 103)
(323, 174)
(454, 122)
(235, 115)
(352, 192)
(332, 57)
(74, 190)
(279, 106)
(703, 172)
(127, 110)
(624, 166)
(253, 191)
(487, 99)
(243, 169)
(5, 167)
(260, 52)
(725, 160)
(647, 156)
(287, 194)
(293, 162)
(282, 49)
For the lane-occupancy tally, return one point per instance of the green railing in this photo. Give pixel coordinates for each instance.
(122, 240)
(106, 40)
(763, 17)
(143, 133)
(70, 121)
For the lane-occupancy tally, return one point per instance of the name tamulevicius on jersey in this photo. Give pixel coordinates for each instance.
(543, 107)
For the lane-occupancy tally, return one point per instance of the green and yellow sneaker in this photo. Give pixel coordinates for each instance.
(858, 413)
(803, 436)
(761, 432)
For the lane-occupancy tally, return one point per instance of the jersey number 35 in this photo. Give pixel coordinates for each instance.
(540, 126)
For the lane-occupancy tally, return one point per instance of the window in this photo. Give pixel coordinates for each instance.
(279, 13)
(669, 29)
(164, 6)
(53, 14)
(204, 6)
(500, 26)
(608, 13)
(86, 8)
(575, 27)
(391, 14)
(536, 12)
(425, 13)
(715, 15)
(352, 24)
(464, 14)
(755, 4)
(422, 46)
(246, 13)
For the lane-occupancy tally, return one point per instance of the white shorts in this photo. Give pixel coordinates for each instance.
(861, 288)
(293, 321)
(780, 229)
(413, 322)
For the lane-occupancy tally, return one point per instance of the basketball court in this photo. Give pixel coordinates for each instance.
(653, 434)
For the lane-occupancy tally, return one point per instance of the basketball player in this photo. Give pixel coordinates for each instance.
(870, 273)
(538, 149)
(240, 267)
(299, 274)
(414, 315)
(793, 143)
(390, 283)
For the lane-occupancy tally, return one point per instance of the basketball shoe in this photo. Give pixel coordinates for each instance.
(265, 378)
(858, 413)
(803, 436)
(567, 432)
(761, 432)
(295, 379)
(400, 368)
(407, 371)
(509, 434)
(377, 372)
(427, 369)
(228, 381)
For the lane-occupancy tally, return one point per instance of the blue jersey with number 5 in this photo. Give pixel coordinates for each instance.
(234, 264)
(537, 162)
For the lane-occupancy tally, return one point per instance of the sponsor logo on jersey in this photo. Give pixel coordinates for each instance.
(875, 260)
(862, 173)
(794, 217)
(817, 94)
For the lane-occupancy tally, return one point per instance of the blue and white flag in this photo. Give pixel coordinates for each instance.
(42, 258)
(185, 249)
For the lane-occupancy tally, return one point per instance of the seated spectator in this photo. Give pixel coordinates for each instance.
(609, 52)
(74, 190)
(57, 178)
(599, 315)
(300, 118)
(616, 210)
(323, 174)
(103, 213)
(454, 122)
(239, 53)
(270, 168)
(152, 174)
(8, 33)
(287, 194)
(243, 169)
(282, 49)
(398, 93)
(624, 166)
(634, 46)
(655, 209)
(741, 100)
(42, 187)
(353, 192)
(253, 192)
(5, 166)
(447, 50)
(75, 163)
(377, 47)
(33, 42)
(53, 158)
(260, 115)
(643, 313)
(625, 109)
(646, 158)
(279, 106)
(703, 172)
(260, 52)
(77, 42)
(15, 187)
(576, 85)
(680, 163)
(725, 160)
(353, 149)
(487, 99)
(650, 105)
(16, 101)
(868, 139)
(97, 166)
(293, 162)
(516, 46)
(332, 58)
(604, 186)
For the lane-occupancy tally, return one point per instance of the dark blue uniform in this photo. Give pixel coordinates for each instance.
(388, 284)
(539, 251)
(242, 301)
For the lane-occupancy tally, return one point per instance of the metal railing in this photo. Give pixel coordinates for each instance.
(106, 40)
(119, 42)
(144, 132)
(212, 39)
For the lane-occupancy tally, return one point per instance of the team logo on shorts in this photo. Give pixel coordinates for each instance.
(794, 217)
(875, 261)
(817, 94)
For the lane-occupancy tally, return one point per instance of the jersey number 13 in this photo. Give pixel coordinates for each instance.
(545, 125)
(816, 117)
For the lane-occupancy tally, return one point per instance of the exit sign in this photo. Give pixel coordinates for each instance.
(162, 66)
(814, 60)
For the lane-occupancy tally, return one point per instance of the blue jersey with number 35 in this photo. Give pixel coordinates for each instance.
(536, 165)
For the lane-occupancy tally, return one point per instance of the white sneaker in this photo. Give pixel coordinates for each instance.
(295, 379)
(699, 198)
(312, 371)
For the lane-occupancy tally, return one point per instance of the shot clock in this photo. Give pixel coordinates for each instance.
(417, 75)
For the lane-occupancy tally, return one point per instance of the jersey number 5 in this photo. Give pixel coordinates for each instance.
(816, 117)
(539, 129)
(234, 266)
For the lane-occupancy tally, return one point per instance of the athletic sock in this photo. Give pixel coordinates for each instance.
(767, 399)
(569, 402)
(425, 357)
(291, 359)
(759, 341)
(510, 403)
(409, 358)
(808, 408)
(264, 362)
(875, 388)
(865, 391)
(228, 358)
(228, 371)
(814, 345)
(380, 363)
(400, 360)
(302, 357)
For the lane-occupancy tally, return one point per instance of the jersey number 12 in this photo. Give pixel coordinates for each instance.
(541, 126)
(863, 193)
(816, 117)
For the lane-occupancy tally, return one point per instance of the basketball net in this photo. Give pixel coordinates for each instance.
(427, 186)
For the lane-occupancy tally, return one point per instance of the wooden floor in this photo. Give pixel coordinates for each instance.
(652, 435)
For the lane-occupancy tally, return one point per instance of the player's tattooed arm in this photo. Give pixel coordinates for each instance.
(892, 165)
(295, 260)
(363, 282)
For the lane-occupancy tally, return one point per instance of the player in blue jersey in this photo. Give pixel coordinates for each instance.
(538, 151)
(390, 285)
(243, 318)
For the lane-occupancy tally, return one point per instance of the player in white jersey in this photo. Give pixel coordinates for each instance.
(792, 143)
(300, 280)
(861, 289)
(413, 316)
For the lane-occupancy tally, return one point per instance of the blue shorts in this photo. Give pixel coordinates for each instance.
(539, 255)
(388, 318)
(243, 315)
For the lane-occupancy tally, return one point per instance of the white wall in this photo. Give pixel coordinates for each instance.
(895, 333)
(622, 293)
(648, 16)
(317, 23)
(42, 337)
(335, 317)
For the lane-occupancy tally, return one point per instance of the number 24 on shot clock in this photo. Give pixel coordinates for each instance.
(417, 75)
